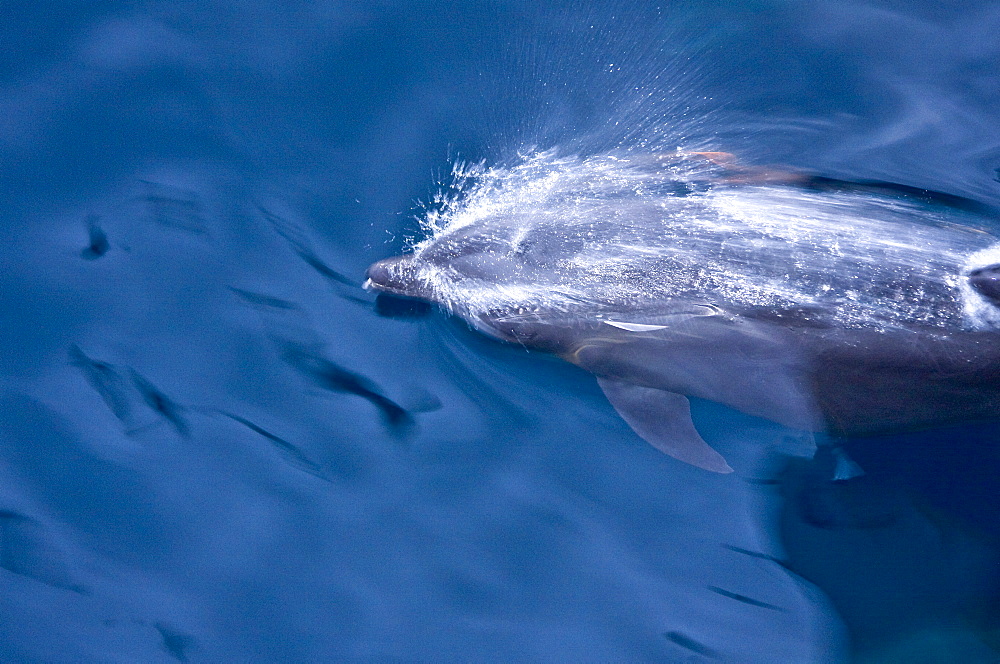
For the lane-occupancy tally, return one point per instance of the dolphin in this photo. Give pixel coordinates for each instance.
(851, 308)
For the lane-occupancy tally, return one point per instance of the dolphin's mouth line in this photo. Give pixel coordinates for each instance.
(388, 290)
(382, 288)
(400, 293)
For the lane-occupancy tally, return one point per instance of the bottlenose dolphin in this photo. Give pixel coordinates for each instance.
(829, 306)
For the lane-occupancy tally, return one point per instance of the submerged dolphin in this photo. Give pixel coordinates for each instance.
(850, 308)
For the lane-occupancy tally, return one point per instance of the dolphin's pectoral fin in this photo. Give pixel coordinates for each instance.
(663, 419)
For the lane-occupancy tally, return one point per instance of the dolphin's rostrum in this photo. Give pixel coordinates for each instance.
(823, 306)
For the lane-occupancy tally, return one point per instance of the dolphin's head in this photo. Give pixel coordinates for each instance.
(450, 269)
(538, 248)
(488, 277)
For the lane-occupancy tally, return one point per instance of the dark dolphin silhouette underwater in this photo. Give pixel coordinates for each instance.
(852, 308)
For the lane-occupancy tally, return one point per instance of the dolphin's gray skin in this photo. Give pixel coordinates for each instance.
(818, 304)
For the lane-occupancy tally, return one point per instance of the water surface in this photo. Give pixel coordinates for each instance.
(216, 447)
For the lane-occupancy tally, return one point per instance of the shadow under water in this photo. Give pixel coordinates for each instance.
(909, 551)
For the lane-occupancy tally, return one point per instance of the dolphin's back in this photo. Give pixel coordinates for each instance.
(867, 260)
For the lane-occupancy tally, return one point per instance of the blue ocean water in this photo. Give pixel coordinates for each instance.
(215, 446)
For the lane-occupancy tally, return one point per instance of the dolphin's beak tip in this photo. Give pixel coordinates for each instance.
(378, 275)
(394, 275)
